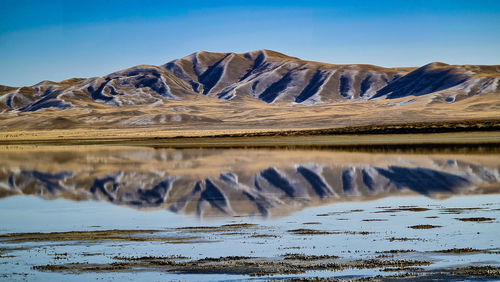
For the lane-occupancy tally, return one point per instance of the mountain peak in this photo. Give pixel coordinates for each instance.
(248, 55)
(436, 65)
(271, 53)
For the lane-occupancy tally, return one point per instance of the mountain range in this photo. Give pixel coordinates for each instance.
(197, 86)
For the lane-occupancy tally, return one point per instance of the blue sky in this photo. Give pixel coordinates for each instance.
(56, 40)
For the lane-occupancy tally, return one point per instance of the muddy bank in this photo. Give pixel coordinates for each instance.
(96, 236)
(283, 265)
(252, 266)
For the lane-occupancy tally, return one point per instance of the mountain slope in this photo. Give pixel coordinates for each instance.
(266, 75)
(271, 76)
(134, 86)
(435, 77)
(258, 90)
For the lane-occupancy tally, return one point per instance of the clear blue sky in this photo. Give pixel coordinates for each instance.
(57, 40)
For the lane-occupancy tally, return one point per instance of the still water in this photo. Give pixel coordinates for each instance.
(259, 203)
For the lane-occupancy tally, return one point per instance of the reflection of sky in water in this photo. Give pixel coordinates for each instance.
(32, 214)
(20, 214)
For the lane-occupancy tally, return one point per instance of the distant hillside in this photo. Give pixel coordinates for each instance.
(265, 75)
(262, 89)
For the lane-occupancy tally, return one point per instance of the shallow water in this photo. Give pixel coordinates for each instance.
(363, 204)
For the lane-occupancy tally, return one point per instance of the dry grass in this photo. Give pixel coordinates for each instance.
(204, 116)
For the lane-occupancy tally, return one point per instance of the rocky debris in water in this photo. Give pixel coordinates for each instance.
(424, 226)
(305, 257)
(222, 228)
(476, 219)
(305, 231)
(404, 239)
(395, 252)
(461, 251)
(403, 208)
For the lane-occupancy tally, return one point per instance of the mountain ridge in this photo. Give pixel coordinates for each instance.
(267, 75)
(257, 90)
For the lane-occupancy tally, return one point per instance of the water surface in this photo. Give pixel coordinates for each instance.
(356, 205)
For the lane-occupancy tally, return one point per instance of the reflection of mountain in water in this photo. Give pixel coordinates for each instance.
(272, 189)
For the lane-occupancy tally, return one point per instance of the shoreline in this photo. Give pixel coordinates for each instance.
(486, 139)
(435, 133)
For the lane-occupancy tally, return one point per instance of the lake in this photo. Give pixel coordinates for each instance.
(134, 212)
